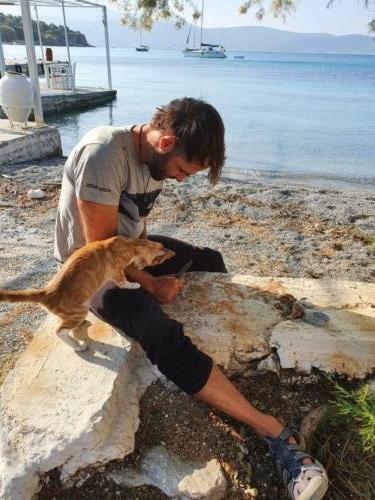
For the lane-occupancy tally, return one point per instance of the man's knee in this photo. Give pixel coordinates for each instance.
(210, 260)
(176, 356)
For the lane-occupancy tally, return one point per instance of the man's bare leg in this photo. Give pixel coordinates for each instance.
(220, 393)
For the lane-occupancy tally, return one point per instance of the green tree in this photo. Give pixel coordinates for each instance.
(11, 28)
(7, 34)
(143, 13)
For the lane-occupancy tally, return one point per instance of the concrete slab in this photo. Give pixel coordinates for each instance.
(19, 144)
(58, 101)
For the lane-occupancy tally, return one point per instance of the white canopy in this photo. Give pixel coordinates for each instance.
(53, 3)
(29, 40)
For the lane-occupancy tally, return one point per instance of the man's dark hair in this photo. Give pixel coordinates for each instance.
(199, 132)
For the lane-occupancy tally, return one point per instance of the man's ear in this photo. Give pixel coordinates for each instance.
(167, 142)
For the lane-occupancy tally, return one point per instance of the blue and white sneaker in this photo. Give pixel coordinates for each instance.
(303, 481)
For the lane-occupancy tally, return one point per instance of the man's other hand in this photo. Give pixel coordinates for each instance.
(165, 288)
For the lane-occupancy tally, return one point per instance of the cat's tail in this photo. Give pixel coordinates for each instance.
(22, 295)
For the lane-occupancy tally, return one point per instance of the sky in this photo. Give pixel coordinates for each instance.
(311, 16)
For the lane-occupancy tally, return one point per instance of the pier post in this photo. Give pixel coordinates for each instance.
(31, 61)
(39, 34)
(108, 58)
(2, 59)
(67, 45)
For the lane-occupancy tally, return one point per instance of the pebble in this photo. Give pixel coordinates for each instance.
(36, 194)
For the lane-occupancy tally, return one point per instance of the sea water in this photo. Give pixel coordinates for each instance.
(306, 116)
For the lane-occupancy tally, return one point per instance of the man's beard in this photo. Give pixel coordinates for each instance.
(157, 165)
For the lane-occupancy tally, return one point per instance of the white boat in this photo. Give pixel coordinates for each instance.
(205, 50)
(141, 47)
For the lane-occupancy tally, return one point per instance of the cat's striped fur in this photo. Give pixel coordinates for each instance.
(68, 293)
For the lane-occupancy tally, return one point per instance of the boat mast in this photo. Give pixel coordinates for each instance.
(202, 21)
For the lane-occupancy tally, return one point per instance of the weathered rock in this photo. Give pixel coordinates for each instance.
(230, 322)
(58, 408)
(270, 364)
(63, 409)
(325, 293)
(346, 344)
(177, 479)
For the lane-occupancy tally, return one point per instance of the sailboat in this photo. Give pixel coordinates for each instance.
(142, 47)
(205, 50)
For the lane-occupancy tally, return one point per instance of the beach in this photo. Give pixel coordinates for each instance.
(274, 228)
(263, 229)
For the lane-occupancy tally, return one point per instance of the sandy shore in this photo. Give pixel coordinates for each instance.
(264, 229)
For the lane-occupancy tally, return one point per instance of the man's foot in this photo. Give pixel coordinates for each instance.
(303, 476)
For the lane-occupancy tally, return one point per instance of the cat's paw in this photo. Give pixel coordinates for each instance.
(81, 347)
(129, 285)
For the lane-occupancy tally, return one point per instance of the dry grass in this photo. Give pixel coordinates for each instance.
(352, 470)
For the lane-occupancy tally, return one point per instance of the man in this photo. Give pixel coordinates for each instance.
(111, 180)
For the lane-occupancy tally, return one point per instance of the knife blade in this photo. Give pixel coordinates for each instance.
(184, 268)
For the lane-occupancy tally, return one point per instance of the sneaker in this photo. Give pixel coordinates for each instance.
(303, 481)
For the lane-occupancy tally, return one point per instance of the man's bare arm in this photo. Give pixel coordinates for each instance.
(99, 221)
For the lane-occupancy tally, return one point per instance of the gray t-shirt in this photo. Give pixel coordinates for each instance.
(103, 168)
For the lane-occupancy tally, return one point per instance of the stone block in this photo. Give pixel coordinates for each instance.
(346, 345)
(59, 408)
(176, 478)
(19, 144)
(229, 321)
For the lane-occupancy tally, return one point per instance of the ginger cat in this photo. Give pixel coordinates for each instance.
(68, 293)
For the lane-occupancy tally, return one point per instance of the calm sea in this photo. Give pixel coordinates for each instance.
(309, 116)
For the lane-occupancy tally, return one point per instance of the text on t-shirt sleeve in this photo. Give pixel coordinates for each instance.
(99, 175)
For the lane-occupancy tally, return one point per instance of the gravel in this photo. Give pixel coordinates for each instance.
(265, 229)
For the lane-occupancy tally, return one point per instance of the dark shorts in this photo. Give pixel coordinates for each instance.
(139, 316)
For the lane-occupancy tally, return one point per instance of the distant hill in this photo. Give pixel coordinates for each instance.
(254, 38)
(11, 30)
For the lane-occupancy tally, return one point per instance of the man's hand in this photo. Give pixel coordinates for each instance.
(166, 288)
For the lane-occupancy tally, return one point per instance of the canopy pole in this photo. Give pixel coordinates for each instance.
(2, 59)
(39, 34)
(67, 43)
(31, 61)
(108, 57)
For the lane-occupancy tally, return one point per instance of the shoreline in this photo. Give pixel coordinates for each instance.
(304, 179)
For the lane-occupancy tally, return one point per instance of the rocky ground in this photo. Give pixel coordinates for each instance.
(273, 229)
